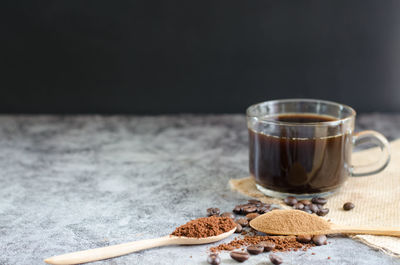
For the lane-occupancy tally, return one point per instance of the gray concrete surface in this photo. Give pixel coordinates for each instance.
(73, 183)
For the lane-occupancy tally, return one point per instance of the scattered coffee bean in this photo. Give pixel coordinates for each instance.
(319, 200)
(251, 216)
(323, 212)
(228, 214)
(237, 209)
(213, 212)
(290, 200)
(305, 202)
(240, 256)
(303, 238)
(242, 221)
(214, 259)
(276, 260)
(255, 249)
(254, 202)
(314, 208)
(298, 206)
(249, 209)
(348, 206)
(239, 228)
(263, 209)
(268, 245)
(307, 211)
(264, 205)
(319, 240)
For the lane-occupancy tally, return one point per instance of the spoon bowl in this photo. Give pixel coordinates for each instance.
(204, 240)
(126, 248)
(304, 228)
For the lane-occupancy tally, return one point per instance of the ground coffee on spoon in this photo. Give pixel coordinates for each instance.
(205, 227)
(289, 222)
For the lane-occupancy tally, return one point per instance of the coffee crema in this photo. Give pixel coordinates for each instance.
(304, 164)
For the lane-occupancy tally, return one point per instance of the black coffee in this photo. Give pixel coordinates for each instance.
(299, 165)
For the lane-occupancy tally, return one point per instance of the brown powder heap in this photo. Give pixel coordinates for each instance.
(282, 243)
(289, 222)
(205, 227)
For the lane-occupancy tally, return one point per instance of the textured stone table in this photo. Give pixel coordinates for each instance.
(73, 183)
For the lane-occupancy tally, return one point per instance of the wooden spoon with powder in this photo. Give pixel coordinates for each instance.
(196, 232)
(295, 222)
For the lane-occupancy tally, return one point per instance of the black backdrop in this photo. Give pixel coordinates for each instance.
(149, 57)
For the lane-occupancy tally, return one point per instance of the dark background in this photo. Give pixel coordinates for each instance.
(151, 57)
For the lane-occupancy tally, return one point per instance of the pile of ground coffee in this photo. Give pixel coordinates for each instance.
(289, 222)
(205, 227)
(282, 243)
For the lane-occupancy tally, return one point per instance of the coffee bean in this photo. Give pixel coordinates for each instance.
(276, 260)
(268, 245)
(254, 202)
(303, 238)
(237, 209)
(249, 209)
(323, 212)
(348, 206)
(290, 200)
(305, 202)
(251, 216)
(255, 249)
(263, 209)
(318, 200)
(298, 206)
(313, 208)
(213, 212)
(239, 228)
(228, 214)
(242, 221)
(214, 259)
(307, 211)
(319, 240)
(240, 256)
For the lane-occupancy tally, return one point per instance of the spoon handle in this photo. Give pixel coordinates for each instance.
(368, 230)
(110, 251)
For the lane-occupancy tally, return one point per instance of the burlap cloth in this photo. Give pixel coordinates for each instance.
(376, 199)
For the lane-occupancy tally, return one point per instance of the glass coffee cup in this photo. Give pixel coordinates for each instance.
(303, 147)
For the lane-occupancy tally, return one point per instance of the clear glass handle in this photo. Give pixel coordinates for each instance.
(377, 166)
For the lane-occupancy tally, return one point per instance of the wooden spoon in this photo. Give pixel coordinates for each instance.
(126, 248)
(331, 228)
(342, 229)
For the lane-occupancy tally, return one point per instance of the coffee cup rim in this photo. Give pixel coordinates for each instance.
(352, 112)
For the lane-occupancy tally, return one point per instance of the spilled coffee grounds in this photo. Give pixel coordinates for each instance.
(282, 243)
(205, 227)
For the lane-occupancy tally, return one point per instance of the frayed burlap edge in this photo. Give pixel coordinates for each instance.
(372, 245)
